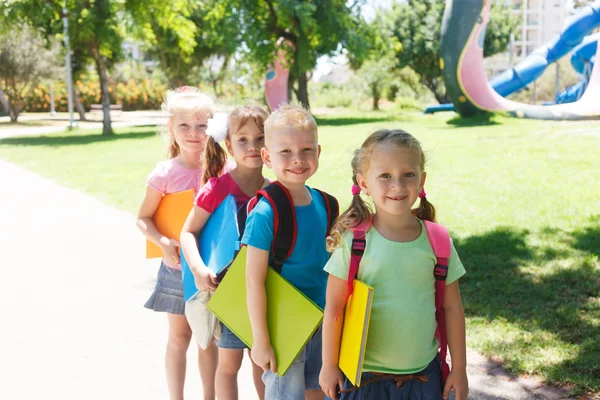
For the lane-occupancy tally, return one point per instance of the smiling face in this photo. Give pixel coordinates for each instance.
(189, 130)
(394, 178)
(293, 154)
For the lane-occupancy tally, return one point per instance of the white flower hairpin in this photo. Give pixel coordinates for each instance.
(217, 127)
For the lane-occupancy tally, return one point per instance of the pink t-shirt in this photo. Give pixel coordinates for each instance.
(215, 191)
(171, 177)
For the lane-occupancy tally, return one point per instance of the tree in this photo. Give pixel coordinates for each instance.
(374, 73)
(185, 35)
(417, 26)
(308, 30)
(96, 29)
(24, 61)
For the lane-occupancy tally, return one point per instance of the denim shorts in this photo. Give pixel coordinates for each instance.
(229, 340)
(302, 375)
(412, 389)
(168, 292)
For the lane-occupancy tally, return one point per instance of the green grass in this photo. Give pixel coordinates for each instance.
(520, 197)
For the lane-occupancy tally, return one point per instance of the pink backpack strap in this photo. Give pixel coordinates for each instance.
(440, 243)
(356, 252)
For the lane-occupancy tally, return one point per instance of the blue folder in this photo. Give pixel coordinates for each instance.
(218, 242)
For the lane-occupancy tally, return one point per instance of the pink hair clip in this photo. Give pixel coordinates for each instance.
(183, 89)
(422, 194)
(355, 190)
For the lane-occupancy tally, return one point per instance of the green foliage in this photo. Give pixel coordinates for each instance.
(309, 30)
(417, 26)
(185, 34)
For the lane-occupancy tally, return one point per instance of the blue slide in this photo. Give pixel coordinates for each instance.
(533, 66)
(582, 60)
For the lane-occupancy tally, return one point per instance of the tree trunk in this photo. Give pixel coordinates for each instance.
(13, 114)
(302, 93)
(376, 93)
(3, 101)
(103, 75)
(290, 87)
(78, 106)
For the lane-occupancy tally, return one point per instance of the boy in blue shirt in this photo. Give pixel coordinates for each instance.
(292, 152)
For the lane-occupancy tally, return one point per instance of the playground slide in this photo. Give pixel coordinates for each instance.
(582, 59)
(463, 31)
(276, 83)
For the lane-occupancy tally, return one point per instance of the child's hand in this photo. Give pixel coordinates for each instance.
(330, 378)
(457, 380)
(263, 355)
(204, 278)
(170, 249)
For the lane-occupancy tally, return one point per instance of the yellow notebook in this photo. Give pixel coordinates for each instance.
(169, 218)
(292, 318)
(355, 331)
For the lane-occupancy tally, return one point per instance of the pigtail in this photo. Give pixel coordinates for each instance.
(214, 160)
(173, 149)
(425, 211)
(358, 212)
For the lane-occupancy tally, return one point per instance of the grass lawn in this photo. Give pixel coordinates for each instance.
(520, 197)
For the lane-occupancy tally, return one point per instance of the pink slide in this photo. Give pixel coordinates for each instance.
(276, 83)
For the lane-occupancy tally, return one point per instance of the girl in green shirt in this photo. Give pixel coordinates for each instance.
(401, 358)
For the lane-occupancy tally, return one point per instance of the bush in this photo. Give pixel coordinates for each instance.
(133, 95)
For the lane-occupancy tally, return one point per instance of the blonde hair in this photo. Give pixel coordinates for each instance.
(360, 211)
(186, 99)
(215, 157)
(290, 115)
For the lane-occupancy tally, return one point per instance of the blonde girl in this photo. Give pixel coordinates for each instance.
(401, 358)
(188, 112)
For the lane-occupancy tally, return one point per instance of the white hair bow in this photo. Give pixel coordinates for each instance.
(217, 127)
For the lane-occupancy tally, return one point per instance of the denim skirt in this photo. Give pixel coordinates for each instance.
(168, 292)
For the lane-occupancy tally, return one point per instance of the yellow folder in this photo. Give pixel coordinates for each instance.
(169, 218)
(292, 318)
(355, 331)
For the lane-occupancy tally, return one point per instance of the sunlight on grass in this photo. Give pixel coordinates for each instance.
(520, 198)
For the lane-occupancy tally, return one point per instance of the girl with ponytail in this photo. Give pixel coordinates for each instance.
(243, 135)
(401, 358)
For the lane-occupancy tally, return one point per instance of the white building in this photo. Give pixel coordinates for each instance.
(542, 20)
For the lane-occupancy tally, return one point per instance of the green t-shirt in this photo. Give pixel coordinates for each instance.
(402, 328)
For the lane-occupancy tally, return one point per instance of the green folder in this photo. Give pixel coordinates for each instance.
(292, 318)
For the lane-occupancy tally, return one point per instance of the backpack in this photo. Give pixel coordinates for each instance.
(285, 228)
(440, 242)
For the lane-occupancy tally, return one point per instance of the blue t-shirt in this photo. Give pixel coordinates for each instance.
(304, 268)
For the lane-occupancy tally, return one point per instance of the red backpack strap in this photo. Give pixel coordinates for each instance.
(359, 243)
(333, 209)
(440, 243)
(284, 221)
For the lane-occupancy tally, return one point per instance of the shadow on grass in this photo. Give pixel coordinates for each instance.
(342, 121)
(549, 289)
(486, 119)
(73, 139)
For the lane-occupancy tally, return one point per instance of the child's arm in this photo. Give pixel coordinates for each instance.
(144, 222)
(204, 277)
(257, 264)
(455, 330)
(330, 375)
